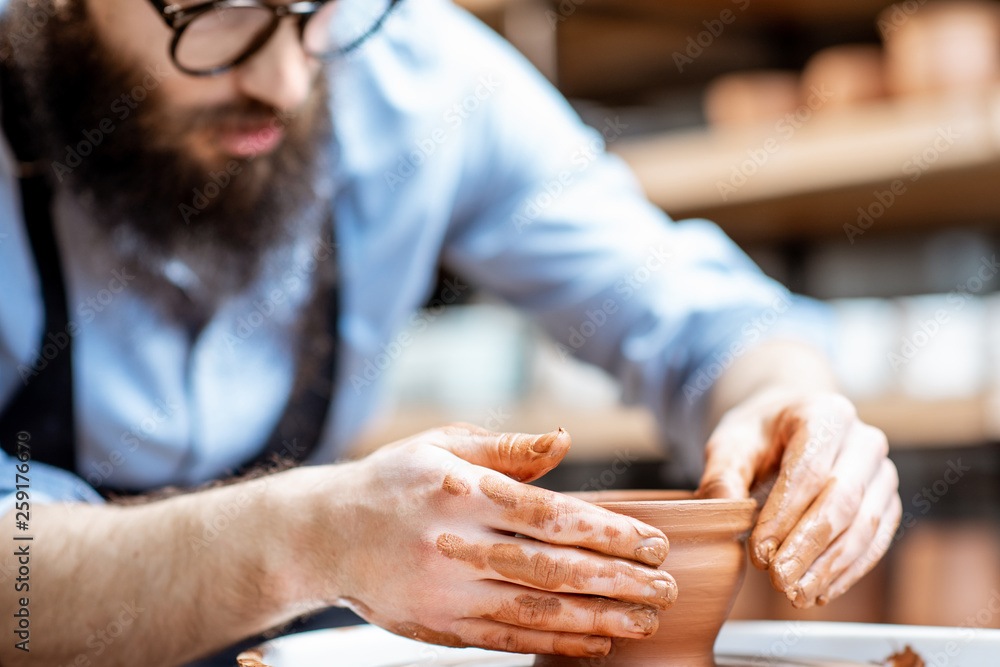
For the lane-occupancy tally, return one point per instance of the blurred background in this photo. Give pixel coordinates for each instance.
(852, 149)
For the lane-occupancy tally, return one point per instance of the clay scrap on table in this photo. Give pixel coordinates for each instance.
(905, 658)
(254, 658)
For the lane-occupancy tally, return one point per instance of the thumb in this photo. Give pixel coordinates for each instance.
(730, 462)
(520, 456)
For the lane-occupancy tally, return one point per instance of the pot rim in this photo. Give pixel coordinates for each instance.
(663, 497)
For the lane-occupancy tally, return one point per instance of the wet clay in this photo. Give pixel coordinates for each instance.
(423, 634)
(537, 570)
(520, 455)
(456, 486)
(527, 504)
(527, 611)
(707, 559)
(539, 508)
(780, 517)
(251, 658)
(905, 658)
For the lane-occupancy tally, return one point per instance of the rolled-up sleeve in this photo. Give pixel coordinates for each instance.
(43, 483)
(561, 229)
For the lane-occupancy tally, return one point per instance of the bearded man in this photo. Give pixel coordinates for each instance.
(213, 216)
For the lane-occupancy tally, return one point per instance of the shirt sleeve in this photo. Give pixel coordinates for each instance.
(553, 224)
(46, 484)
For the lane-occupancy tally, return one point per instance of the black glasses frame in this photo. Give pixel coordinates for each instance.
(178, 18)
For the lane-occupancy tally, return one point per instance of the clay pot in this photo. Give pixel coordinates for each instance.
(847, 75)
(941, 46)
(707, 558)
(751, 98)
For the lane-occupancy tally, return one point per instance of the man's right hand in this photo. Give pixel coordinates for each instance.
(439, 540)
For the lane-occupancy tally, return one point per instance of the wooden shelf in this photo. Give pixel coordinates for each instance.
(599, 434)
(816, 176)
(912, 424)
(706, 9)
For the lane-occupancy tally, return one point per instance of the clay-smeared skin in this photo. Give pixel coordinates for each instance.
(793, 467)
(905, 658)
(834, 504)
(544, 572)
(422, 634)
(506, 544)
(540, 509)
(528, 611)
(538, 571)
(517, 453)
(454, 547)
(455, 486)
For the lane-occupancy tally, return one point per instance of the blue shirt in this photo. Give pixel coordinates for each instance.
(448, 147)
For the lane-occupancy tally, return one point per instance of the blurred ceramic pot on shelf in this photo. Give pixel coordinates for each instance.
(941, 46)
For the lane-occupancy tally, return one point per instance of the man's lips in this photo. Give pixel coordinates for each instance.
(250, 140)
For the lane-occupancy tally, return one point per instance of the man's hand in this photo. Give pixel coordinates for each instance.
(444, 544)
(834, 505)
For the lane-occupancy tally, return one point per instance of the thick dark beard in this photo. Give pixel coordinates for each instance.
(149, 201)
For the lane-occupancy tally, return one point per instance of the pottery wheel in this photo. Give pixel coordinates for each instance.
(721, 661)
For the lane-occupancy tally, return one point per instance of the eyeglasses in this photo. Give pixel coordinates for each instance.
(213, 37)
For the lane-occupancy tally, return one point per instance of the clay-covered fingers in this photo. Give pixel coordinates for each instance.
(496, 636)
(733, 457)
(812, 440)
(560, 519)
(520, 456)
(545, 567)
(555, 612)
(859, 547)
(836, 508)
(879, 545)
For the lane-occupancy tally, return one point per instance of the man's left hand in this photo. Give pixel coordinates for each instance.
(834, 505)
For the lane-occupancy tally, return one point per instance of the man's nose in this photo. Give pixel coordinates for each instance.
(281, 74)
